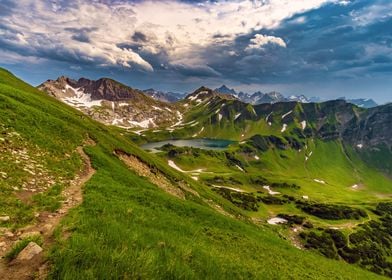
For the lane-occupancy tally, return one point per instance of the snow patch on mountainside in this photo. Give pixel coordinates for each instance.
(229, 188)
(157, 108)
(303, 125)
(285, 115)
(201, 130)
(319, 181)
(271, 192)
(239, 167)
(180, 119)
(307, 157)
(284, 128)
(80, 99)
(266, 119)
(117, 121)
(173, 165)
(138, 132)
(276, 221)
(144, 124)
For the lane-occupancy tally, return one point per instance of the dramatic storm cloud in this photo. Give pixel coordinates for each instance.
(316, 47)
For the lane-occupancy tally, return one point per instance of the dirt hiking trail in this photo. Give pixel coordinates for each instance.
(34, 266)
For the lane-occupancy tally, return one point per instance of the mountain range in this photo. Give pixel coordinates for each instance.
(213, 113)
(273, 97)
(164, 96)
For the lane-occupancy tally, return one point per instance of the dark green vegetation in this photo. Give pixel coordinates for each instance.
(128, 228)
(293, 219)
(244, 201)
(369, 245)
(331, 212)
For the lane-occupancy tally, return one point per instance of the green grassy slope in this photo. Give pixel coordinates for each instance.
(128, 228)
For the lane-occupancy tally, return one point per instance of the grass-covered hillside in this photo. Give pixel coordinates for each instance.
(128, 225)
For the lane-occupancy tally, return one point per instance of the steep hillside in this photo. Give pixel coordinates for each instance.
(129, 225)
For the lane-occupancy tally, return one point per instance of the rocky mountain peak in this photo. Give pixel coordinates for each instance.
(204, 93)
(163, 96)
(111, 102)
(226, 90)
(109, 89)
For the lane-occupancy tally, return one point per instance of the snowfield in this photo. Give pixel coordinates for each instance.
(229, 188)
(319, 181)
(144, 124)
(267, 117)
(157, 108)
(271, 192)
(288, 113)
(80, 99)
(276, 221)
(201, 130)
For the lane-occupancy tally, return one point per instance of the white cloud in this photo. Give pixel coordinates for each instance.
(373, 13)
(260, 40)
(93, 31)
(343, 2)
(7, 57)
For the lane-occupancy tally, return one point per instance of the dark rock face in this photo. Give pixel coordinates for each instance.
(170, 97)
(112, 103)
(108, 89)
(225, 90)
(363, 103)
(271, 97)
(103, 88)
(372, 128)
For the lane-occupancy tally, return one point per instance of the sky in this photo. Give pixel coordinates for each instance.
(325, 48)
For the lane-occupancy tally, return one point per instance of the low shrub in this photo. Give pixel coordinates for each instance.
(331, 211)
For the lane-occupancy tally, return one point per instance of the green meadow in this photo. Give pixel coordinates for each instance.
(128, 228)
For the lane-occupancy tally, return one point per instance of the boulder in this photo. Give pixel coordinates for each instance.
(30, 251)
